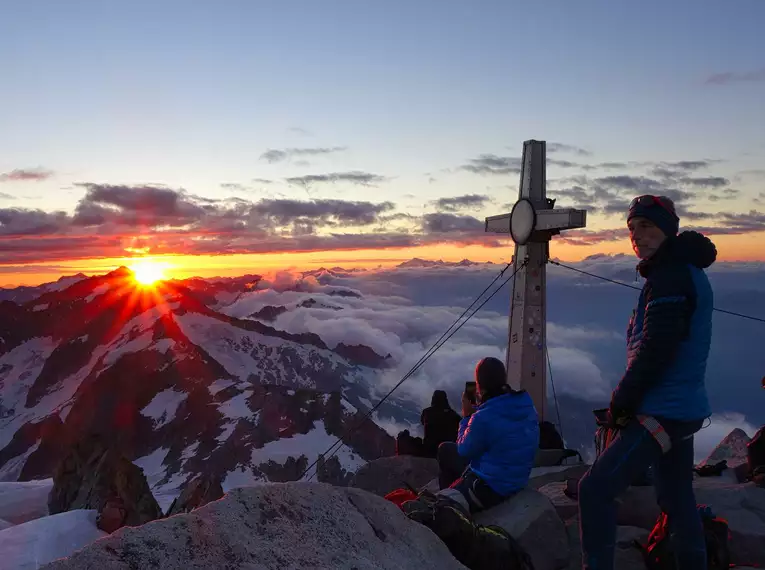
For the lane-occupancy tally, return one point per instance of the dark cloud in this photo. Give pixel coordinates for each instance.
(560, 147)
(279, 155)
(234, 187)
(137, 206)
(262, 181)
(5, 196)
(341, 212)
(440, 223)
(25, 222)
(467, 201)
(493, 164)
(729, 77)
(354, 177)
(728, 194)
(26, 175)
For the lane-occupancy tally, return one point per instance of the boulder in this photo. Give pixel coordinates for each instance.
(5, 524)
(390, 473)
(92, 476)
(531, 518)
(196, 493)
(564, 506)
(269, 527)
(541, 476)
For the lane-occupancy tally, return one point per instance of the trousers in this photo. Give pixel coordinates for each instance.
(628, 456)
(455, 475)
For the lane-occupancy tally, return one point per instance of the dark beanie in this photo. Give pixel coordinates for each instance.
(490, 375)
(659, 215)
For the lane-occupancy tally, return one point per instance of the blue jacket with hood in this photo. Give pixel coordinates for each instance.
(501, 439)
(669, 334)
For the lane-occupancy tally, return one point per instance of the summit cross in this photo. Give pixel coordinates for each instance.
(532, 223)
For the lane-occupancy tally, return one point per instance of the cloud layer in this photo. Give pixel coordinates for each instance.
(402, 312)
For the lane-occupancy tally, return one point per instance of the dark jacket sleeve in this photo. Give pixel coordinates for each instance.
(669, 305)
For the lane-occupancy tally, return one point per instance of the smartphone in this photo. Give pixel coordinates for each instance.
(470, 391)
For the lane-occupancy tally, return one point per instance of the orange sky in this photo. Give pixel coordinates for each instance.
(748, 247)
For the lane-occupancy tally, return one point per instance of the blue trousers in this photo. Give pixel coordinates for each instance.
(627, 457)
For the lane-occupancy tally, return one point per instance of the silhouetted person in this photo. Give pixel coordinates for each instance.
(497, 442)
(441, 423)
(661, 400)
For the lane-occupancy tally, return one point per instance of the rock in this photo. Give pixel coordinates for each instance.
(112, 516)
(389, 473)
(5, 524)
(743, 506)
(637, 507)
(732, 449)
(91, 475)
(626, 555)
(541, 476)
(564, 506)
(531, 519)
(196, 493)
(269, 527)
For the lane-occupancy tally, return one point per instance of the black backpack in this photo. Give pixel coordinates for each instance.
(476, 546)
(657, 551)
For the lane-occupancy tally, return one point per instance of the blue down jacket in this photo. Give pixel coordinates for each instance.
(669, 334)
(501, 439)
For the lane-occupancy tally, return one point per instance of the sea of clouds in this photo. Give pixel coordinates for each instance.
(402, 312)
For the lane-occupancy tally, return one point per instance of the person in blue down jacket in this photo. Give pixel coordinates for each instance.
(497, 442)
(661, 400)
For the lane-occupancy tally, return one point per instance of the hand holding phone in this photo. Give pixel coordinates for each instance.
(470, 391)
(469, 399)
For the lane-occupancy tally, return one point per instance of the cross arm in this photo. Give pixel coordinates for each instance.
(551, 221)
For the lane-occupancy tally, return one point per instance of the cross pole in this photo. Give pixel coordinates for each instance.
(532, 223)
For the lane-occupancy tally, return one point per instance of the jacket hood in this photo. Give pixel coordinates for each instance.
(687, 247)
(511, 404)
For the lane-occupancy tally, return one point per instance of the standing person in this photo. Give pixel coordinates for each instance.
(661, 400)
(441, 423)
(496, 444)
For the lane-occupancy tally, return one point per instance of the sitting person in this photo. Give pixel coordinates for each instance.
(496, 443)
(441, 423)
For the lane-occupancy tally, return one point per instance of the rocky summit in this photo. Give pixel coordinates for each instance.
(274, 527)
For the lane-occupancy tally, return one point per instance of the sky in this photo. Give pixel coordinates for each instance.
(245, 135)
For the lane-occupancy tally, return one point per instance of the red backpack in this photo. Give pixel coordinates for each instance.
(657, 552)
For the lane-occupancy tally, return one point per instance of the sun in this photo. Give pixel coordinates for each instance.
(148, 272)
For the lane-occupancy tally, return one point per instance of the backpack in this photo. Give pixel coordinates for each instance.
(476, 546)
(657, 552)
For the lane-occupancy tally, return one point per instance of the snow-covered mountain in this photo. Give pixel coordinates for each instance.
(179, 386)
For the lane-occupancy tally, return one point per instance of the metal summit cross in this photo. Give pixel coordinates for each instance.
(532, 223)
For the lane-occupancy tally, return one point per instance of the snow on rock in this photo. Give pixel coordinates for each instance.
(41, 307)
(24, 501)
(310, 444)
(278, 526)
(5, 524)
(163, 406)
(30, 545)
(100, 290)
(19, 369)
(12, 468)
